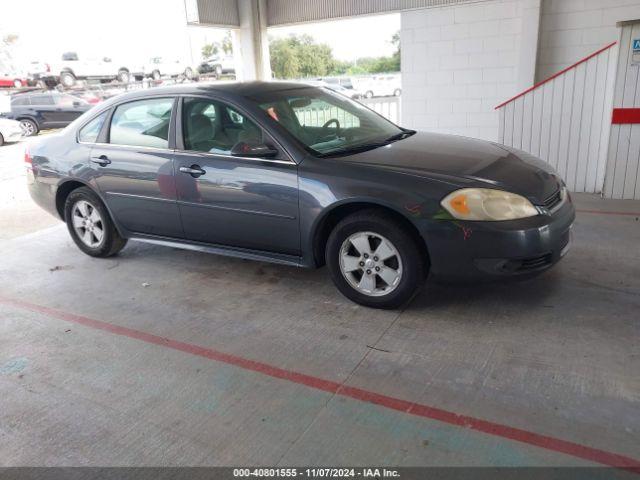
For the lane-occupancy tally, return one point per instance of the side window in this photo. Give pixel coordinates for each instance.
(212, 127)
(42, 100)
(20, 100)
(89, 133)
(318, 112)
(143, 123)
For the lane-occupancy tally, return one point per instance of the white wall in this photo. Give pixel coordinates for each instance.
(458, 63)
(572, 29)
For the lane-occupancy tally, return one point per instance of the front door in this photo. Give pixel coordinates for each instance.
(233, 201)
(134, 168)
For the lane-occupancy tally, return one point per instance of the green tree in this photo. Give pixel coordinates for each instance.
(299, 56)
(210, 49)
(227, 44)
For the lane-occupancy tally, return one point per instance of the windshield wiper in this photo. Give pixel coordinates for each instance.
(354, 149)
(368, 146)
(400, 136)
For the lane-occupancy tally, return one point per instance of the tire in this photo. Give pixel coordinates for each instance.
(106, 245)
(123, 76)
(188, 73)
(397, 92)
(156, 75)
(407, 260)
(369, 94)
(17, 83)
(67, 79)
(1, 140)
(29, 126)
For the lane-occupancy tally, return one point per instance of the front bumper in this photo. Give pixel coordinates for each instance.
(493, 250)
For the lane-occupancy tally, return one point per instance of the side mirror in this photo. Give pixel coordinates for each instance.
(253, 150)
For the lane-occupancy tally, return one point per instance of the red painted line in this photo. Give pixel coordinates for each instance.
(625, 116)
(419, 410)
(539, 84)
(605, 212)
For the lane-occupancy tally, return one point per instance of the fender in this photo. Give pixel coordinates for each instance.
(121, 231)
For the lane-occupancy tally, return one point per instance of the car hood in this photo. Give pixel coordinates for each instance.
(465, 161)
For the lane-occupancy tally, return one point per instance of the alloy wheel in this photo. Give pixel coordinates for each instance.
(28, 127)
(88, 224)
(371, 264)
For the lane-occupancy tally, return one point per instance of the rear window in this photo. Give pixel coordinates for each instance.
(143, 123)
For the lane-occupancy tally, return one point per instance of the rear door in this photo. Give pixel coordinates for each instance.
(133, 165)
(236, 201)
(68, 107)
(43, 107)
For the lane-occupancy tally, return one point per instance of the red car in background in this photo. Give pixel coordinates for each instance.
(11, 81)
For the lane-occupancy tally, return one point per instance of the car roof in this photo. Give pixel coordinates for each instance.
(232, 89)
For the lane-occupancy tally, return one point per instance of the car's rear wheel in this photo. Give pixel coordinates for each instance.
(90, 225)
(156, 75)
(188, 73)
(374, 261)
(17, 83)
(123, 76)
(67, 79)
(397, 92)
(29, 127)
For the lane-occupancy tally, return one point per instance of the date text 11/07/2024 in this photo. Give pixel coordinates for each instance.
(315, 473)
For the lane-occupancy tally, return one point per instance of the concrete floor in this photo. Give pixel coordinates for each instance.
(557, 357)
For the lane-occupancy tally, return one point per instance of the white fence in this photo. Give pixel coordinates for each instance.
(565, 120)
(388, 107)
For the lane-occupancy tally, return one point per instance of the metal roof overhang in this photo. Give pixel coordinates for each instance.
(287, 12)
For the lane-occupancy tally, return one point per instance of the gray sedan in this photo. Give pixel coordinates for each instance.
(299, 175)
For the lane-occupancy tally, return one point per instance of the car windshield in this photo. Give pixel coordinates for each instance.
(328, 124)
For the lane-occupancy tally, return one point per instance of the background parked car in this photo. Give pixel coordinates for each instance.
(382, 86)
(38, 111)
(159, 67)
(73, 68)
(12, 80)
(39, 74)
(10, 131)
(218, 65)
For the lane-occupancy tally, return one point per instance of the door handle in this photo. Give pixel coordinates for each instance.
(194, 170)
(102, 160)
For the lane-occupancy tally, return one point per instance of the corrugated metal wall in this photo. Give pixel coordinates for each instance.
(565, 121)
(218, 12)
(623, 167)
(282, 12)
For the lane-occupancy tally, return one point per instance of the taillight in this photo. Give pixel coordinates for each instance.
(27, 157)
(48, 67)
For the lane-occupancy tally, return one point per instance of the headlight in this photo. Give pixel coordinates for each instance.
(487, 205)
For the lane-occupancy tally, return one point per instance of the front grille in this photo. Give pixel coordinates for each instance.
(554, 200)
(535, 262)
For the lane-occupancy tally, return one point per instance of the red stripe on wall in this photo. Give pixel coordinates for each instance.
(539, 84)
(625, 116)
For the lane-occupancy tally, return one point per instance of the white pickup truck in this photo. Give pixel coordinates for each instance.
(158, 67)
(73, 68)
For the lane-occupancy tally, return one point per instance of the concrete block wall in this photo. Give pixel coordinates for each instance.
(458, 63)
(572, 29)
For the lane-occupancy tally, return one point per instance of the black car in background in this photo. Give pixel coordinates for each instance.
(38, 111)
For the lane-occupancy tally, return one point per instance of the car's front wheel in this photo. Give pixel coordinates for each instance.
(374, 261)
(90, 225)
